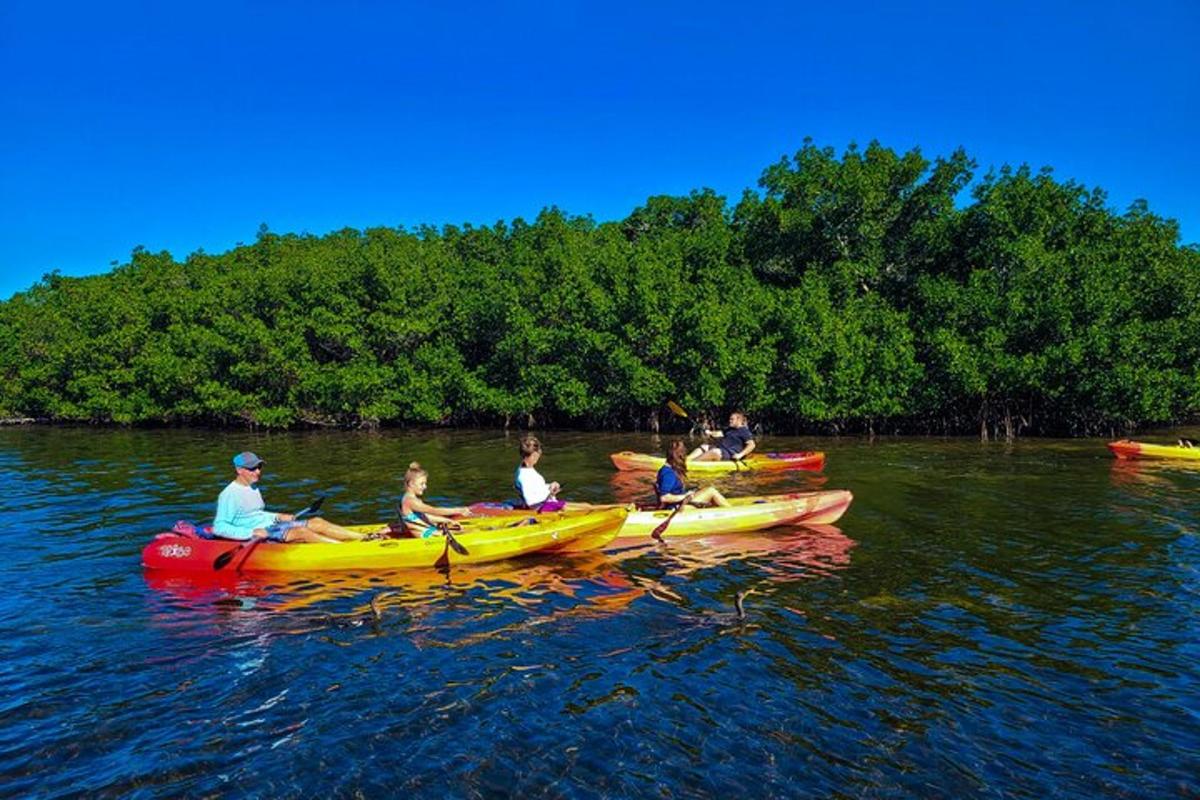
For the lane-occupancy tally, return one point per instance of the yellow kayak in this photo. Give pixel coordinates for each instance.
(485, 540)
(744, 514)
(628, 461)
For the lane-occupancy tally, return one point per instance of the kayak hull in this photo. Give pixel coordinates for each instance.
(628, 461)
(1126, 449)
(484, 543)
(745, 514)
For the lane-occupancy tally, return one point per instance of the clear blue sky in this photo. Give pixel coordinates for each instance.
(183, 126)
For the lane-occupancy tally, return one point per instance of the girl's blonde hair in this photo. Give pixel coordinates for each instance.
(415, 470)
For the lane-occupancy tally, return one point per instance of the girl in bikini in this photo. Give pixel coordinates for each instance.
(420, 519)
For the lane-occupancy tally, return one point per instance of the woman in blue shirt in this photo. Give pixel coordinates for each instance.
(669, 485)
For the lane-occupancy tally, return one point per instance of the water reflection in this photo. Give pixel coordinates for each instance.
(985, 619)
(595, 579)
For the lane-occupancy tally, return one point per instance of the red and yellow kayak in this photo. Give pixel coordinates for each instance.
(485, 540)
(745, 514)
(755, 462)
(1130, 449)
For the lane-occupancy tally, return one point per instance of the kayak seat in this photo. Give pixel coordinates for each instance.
(186, 528)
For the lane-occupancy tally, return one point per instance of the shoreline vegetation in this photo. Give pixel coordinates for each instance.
(849, 294)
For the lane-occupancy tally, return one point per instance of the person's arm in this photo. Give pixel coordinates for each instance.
(747, 450)
(433, 514)
(425, 508)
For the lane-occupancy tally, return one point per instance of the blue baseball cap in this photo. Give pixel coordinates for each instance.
(246, 460)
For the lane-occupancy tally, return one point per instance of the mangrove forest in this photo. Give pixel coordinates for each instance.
(871, 291)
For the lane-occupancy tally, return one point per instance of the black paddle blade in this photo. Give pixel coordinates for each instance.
(316, 506)
(221, 561)
(454, 543)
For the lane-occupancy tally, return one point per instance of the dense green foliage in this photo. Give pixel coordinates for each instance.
(852, 292)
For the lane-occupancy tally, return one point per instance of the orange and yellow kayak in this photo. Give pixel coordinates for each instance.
(1130, 449)
(485, 540)
(755, 462)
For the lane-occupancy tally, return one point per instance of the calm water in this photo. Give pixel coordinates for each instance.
(985, 621)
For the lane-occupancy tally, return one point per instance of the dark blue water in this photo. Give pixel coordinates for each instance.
(986, 621)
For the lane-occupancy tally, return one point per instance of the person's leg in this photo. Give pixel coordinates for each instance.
(709, 496)
(334, 532)
(705, 452)
(306, 535)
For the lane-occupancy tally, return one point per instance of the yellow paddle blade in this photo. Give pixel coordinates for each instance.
(675, 409)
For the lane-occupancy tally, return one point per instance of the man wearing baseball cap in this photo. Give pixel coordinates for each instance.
(241, 513)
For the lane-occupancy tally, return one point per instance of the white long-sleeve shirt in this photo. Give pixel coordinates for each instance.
(531, 486)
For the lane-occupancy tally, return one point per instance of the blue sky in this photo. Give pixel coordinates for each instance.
(181, 127)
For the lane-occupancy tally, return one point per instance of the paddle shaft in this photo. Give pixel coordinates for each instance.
(657, 533)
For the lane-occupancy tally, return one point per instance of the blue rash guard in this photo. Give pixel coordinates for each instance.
(240, 510)
(668, 482)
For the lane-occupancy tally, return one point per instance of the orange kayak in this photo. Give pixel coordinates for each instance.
(755, 462)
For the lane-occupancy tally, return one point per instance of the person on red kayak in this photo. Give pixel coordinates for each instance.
(242, 515)
(420, 519)
(670, 486)
(735, 442)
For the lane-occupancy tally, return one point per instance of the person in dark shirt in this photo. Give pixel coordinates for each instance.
(734, 443)
(669, 484)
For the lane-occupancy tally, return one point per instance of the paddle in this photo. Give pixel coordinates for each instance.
(657, 533)
(454, 543)
(444, 527)
(223, 560)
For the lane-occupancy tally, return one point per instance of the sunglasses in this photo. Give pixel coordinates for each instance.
(257, 468)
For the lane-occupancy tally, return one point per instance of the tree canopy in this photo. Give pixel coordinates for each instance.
(873, 290)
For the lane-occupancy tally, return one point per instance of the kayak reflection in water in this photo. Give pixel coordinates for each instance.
(735, 443)
(421, 519)
(669, 484)
(242, 514)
